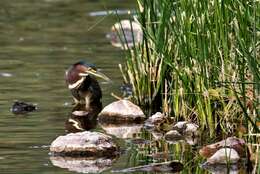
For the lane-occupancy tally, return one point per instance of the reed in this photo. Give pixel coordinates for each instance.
(199, 60)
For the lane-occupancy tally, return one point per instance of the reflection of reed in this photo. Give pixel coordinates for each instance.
(153, 150)
(83, 118)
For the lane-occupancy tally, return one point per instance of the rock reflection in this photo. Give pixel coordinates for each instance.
(223, 168)
(171, 166)
(82, 165)
(82, 118)
(122, 130)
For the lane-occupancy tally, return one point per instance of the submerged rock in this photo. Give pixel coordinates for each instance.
(84, 144)
(122, 131)
(125, 34)
(82, 165)
(171, 166)
(22, 107)
(224, 156)
(237, 144)
(121, 111)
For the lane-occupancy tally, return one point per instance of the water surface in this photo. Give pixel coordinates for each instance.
(39, 39)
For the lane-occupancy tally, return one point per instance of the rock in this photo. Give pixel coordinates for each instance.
(171, 166)
(84, 144)
(186, 128)
(173, 136)
(158, 121)
(125, 34)
(182, 131)
(191, 129)
(224, 156)
(191, 140)
(22, 107)
(122, 131)
(121, 111)
(231, 142)
(82, 165)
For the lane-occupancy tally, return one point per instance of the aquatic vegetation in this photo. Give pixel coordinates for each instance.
(198, 61)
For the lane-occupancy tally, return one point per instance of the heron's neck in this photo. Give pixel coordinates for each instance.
(77, 83)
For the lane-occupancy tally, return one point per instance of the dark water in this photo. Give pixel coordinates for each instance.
(39, 39)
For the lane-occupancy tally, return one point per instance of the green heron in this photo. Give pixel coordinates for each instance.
(81, 81)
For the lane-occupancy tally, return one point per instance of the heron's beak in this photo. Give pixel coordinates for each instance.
(95, 73)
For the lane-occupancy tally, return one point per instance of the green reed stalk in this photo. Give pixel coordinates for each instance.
(201, 58)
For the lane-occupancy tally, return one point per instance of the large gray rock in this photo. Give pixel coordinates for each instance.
(232, 142)
(224, 156)
(82, 165)
(84, 144)
(121, 111)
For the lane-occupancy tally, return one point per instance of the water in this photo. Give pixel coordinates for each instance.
(39, 39)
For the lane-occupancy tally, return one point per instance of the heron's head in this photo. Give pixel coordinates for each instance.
(78, 72)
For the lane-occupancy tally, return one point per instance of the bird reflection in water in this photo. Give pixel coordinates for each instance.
(83, 118)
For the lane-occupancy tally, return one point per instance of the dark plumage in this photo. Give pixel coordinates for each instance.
(22, 107)
(80, 78)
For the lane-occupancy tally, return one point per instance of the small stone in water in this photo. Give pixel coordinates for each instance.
(6, 74)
